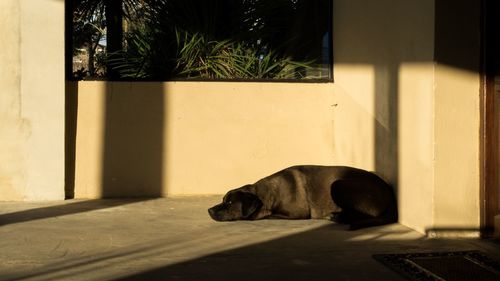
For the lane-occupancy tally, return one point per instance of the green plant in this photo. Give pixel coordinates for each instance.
(199, 57)
(195, 56)
(212, 39)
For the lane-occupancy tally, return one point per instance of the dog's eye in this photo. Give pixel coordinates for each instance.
(229, 202)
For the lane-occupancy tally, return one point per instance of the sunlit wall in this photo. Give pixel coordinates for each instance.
(31, 100)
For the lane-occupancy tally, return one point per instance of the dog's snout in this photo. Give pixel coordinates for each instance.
(213, 213)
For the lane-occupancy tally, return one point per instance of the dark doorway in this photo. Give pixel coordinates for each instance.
(490, 107)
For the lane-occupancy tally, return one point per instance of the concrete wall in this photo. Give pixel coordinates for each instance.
(31, 100)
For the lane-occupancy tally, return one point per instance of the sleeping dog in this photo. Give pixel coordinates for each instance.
(344, 194)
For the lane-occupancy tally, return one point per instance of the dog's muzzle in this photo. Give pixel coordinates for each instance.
(212, 213)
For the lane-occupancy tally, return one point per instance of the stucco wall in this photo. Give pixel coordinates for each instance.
(12, 131)
(140, 139)
(384, 76)
(32, 100)
(457, 115)
(410, 70)
(456, 196)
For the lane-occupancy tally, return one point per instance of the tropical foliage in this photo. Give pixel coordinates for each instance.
(215, 39)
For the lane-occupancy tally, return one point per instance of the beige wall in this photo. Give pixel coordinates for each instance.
(12, 130)
(32, 100)
(191, 137)
(456, 197)
(416, 145)
(384, 82)
(421, 96)
(457, 116)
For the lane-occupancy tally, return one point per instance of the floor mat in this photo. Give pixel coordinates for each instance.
(449, 266)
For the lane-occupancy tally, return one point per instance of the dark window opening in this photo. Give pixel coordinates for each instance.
(162, 40)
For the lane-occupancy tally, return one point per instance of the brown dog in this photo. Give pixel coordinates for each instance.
(343, 194)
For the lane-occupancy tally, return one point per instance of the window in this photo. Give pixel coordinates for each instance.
(164, 40)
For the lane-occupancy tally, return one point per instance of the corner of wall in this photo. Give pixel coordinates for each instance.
(457, 117)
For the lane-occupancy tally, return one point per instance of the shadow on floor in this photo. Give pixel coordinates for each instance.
(174, 239)
(63, 210)
(232, 251)
(329, 251)
(318, 254)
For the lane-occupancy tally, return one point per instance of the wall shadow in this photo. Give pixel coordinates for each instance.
(458, 34)
(71, 115)
(70, 105)
(133, 144)
(61, 210)
(386, 125)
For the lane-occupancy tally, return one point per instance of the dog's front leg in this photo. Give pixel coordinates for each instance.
(263, 214)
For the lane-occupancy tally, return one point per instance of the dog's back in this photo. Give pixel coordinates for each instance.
(309, 191)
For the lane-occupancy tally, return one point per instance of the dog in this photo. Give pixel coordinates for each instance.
(343, 194)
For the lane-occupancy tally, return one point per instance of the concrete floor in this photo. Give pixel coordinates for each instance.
(174, 239)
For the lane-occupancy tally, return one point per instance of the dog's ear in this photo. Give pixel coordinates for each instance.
(250, 204)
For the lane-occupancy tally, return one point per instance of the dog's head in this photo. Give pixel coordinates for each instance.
(236, 205)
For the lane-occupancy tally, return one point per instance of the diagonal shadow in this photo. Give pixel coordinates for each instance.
(326, 251)
(62, 210)
(312, 255)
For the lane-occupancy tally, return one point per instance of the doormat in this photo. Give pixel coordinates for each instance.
(449, 266)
